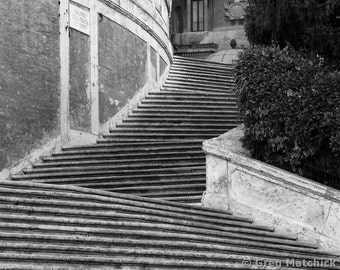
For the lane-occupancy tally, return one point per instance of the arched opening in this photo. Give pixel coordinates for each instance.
(178, 20)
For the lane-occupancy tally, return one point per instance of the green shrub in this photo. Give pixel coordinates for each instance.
(290, 104)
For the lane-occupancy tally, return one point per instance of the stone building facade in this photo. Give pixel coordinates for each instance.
(207, 25)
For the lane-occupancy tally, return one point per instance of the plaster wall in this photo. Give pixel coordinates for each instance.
(29, 77)
(122, 67)
(269, 195)
(80, 98)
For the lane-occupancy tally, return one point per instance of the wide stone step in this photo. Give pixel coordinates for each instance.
(108, 173)
(183, 106)
(195, 71)
(205, 64)
(114, 162)
(198, 85)
(185, 121)
(187, 192)
(192, 199)
(181, 101)
(162, 136)
(165, 189)
(179, 97)
(185, 111)
(151, 181)
(196, 89)
(131, 156)
(109, 148)
(164, 131)
(198, 69)
(136, 145)
(199, 74)
(196, 93)
(187, 117)
(201, 80)
(197, 125)
(139, 140)
(110, 167)
(120, 180)
(201, 61)
(177, 75)
(119, 139)
(208, 67)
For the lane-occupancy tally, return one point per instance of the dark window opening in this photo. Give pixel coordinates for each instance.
(197, 13)
(178, 20)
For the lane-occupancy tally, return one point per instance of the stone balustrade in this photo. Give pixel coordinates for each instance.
(269, 195)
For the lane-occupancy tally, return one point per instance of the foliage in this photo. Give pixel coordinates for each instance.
(290, 104)
(309, 24)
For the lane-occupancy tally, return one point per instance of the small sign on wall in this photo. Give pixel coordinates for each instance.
(80, 19)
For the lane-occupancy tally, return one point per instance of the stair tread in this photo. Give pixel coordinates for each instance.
(119, 161)
(76, 154)
(203, 61)
(137, 177)
(117, 166)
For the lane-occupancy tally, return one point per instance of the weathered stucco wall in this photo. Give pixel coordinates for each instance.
(153, 59)
(80, 99)
(270, 195)
(29, 76)
(162, 66)
(122, 67)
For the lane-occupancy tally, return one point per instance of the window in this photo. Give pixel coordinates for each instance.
(177, 22)
(197, 13)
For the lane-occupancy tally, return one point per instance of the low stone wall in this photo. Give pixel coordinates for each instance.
(268, 194)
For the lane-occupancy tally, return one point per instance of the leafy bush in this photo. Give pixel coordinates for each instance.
(291, 106)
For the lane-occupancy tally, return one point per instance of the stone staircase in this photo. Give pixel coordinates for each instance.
(156, 151)
(63, 227)
(78, 209)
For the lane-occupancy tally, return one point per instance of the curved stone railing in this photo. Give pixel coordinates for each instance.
(127, 46)
(269, 195)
